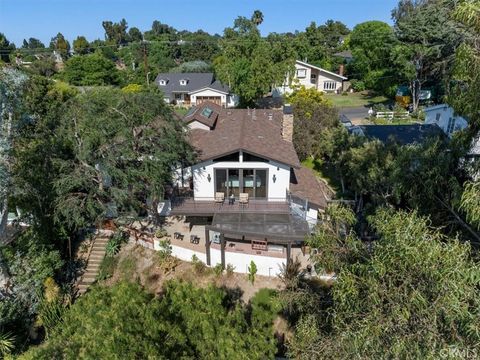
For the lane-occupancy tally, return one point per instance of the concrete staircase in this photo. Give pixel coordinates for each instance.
(96, 255)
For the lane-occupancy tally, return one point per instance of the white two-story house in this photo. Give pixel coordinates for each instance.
(248, 197)
(311, 76)
(444, 116)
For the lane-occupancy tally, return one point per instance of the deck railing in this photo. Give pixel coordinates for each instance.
(210, 205)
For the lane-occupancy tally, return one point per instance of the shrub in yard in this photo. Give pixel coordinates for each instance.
(198, 265)
(252, 271)
(230, 269)
(358, 85)
(107, 267)
(165, 250)
(218, 269)
(115, 243)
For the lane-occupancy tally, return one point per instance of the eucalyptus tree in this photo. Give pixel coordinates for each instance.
(121, 150)
(412, 294)
(12, 84)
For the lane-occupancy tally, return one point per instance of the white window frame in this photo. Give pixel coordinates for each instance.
(329, 85)
(301, 73)
(451, 125)
(437, 117)
(183, 82)
(162, 82)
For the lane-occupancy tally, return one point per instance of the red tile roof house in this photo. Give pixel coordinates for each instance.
(247, 198)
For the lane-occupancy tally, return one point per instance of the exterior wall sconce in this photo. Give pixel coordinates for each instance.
(274, 178)
(209, 178)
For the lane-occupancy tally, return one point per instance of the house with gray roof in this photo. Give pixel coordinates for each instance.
(191, 89)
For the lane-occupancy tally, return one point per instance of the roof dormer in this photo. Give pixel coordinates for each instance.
(183, 82)
(162, 82)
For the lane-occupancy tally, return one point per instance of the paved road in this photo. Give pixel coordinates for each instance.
(355, 114)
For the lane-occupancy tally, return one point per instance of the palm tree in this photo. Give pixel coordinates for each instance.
(257, 17)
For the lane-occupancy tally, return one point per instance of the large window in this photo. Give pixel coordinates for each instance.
(236, 181)
(330, 85)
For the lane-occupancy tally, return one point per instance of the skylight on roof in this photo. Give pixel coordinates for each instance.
(191, 111)
(207, 112)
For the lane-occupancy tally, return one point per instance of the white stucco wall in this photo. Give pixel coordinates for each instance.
(205, 189)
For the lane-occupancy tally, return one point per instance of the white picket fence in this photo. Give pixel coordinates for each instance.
(391, 115)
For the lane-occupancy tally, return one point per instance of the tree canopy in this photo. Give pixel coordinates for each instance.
(186, 322)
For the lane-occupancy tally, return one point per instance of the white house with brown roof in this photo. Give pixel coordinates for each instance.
(311, 76)
(247, 197)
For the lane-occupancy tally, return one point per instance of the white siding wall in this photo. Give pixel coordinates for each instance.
(444, 113)
(198, 125)
(208, 92)
(205, 189)
(319, 83)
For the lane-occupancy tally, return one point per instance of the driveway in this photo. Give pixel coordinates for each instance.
(356, 115)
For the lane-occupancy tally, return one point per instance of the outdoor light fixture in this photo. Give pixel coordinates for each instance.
(274, 178)
(209, 178)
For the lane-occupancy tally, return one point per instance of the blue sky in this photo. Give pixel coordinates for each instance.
(42, 19)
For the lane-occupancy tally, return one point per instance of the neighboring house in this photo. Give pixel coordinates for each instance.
(402, 134)
(444, 116)
(345, 55)
(190, 89)
(312, 76)
(243, 153)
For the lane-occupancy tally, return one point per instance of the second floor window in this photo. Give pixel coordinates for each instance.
(301, 73)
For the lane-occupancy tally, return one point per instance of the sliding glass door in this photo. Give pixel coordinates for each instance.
(236, 181)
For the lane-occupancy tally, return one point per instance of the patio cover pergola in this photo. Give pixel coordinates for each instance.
(283, 229)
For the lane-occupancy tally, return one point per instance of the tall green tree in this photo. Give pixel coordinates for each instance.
(116, 33)
(32, 44)
(372, 43)
(6, 48)
(92, 69)
(413, 294)
(60, 45)
(121, 150)
(81, 45)
(428, 38)
(246, 63)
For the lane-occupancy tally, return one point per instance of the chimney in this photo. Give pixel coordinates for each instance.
(287, 123)
(341, 69)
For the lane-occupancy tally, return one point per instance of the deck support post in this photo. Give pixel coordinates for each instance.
(222, 250)
(289, 252)
(207, 246)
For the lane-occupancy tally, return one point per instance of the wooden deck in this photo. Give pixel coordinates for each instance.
(208, 207)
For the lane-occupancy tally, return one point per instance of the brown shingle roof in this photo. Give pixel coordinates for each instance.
(197, 114)
(304, 184)
(258, 132)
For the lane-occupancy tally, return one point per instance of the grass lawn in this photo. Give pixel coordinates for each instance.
(356, 99)
(181, 111)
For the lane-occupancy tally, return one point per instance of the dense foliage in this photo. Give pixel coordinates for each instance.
(413, 293)
(186, 322)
